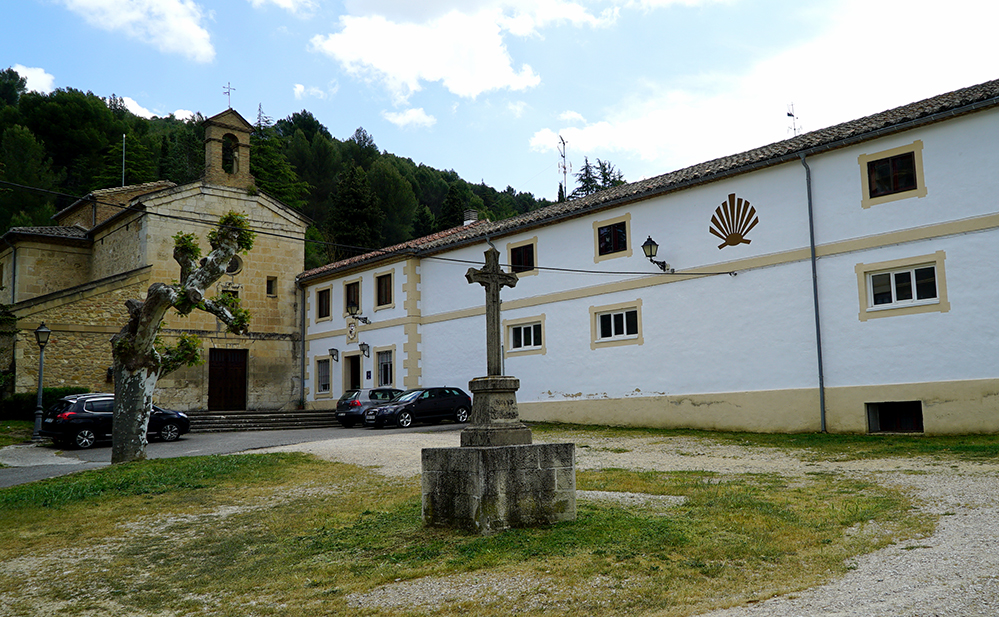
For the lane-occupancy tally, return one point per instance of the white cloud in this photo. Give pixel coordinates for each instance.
(37, 79)
(411, 117)
(571, 116)
(136, 109)
(457, 43)
(835, 77)
(517, 109)
(172, 26)
(183, 114)
(302, 91)
(302, 8)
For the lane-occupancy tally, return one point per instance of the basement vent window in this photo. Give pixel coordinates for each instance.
(895, 417)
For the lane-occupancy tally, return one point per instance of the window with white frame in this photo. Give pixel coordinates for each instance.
(323, 376)
(385, 368)
(903, 286)
(525, 336)
(617, 325)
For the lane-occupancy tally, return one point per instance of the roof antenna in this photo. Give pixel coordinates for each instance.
(563, 167)
(794, 128)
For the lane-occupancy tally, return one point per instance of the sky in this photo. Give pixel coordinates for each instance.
(489, 88)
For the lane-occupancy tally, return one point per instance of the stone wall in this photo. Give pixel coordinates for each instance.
(119, 248)
(82, 324)
(46, 268)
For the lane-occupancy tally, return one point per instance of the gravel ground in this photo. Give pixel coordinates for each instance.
(955, 572)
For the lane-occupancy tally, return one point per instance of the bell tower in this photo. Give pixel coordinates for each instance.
(227, 150)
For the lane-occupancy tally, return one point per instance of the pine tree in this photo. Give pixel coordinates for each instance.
(355, 221)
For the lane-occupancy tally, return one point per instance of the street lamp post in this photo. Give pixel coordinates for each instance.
(42, 337)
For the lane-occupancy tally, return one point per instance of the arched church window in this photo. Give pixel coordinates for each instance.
(230, 153)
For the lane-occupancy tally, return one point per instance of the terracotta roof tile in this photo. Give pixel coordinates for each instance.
(935, 109)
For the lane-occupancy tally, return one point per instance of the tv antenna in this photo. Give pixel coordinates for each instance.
(227, 91)
(565, 168)
(794, 128)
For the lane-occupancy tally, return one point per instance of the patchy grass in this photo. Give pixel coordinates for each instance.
(287, 534)
(13, 432)
(814, 446)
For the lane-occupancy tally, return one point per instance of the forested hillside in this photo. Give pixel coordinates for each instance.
(67, 143)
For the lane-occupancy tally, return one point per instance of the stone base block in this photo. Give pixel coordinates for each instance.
(488, 489)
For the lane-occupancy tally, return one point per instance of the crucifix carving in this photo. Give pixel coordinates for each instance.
(493, 279)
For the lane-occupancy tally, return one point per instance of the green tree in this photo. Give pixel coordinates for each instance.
(140, 164)
(270, 167)
(423, 223)
(588, 179)
(12, 86)
(395, 197)
(23, 161)
(302, 121)
(362, 149)
(459, 198)
(355, 223)
(609, 176)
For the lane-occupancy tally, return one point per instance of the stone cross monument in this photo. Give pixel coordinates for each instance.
(495, 420)
(497, 478)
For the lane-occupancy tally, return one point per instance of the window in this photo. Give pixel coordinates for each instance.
(323, 376)
(611, 238)
(617, 324)
(385, 368)
(234, 266)
(383, 290)
(352, 295)
(232, 293)
(271, 285)
(895, 417)
(522, 258)
(622, 324)
(323, 303)
(892, 174)
(902, 286)
(525, 337)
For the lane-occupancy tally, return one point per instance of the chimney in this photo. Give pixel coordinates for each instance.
(470, 217)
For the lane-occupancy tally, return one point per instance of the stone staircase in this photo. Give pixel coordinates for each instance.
(267, 420)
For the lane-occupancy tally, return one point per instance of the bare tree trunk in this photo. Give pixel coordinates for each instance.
(133, 405)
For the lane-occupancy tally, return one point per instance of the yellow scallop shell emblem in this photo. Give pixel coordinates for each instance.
(733, 219)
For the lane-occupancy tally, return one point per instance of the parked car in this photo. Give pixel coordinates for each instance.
(421, 405)
(81, 420)
(352, 405)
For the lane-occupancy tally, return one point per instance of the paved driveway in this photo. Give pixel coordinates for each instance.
(27, 463)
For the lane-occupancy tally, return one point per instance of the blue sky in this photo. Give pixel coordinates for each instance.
(485, 87)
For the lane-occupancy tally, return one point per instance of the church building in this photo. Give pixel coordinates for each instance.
(832, 281)
(109, 246)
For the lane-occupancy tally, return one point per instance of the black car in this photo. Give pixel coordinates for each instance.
(352, 405)
(81, 420)
(421, 405)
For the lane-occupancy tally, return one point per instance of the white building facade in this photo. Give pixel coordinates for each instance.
(834, 281)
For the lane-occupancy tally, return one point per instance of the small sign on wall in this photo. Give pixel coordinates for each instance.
(368, 375)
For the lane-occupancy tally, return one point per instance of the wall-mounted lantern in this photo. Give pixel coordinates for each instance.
(354, 311)
(365, 349)
(334, 354)
(651, 248)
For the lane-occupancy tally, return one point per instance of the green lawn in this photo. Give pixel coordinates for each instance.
(291, 535)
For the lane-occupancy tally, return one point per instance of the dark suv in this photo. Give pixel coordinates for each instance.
(81, 420)
(352, 405)
(421, 405)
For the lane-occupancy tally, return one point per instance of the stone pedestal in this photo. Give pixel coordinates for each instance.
(495, 420)
(488, 489)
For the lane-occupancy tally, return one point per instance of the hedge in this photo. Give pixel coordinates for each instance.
(22, 406)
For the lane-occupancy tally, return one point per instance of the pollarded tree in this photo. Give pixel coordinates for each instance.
(139, 356)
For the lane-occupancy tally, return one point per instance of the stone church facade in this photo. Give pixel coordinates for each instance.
(111, 245)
